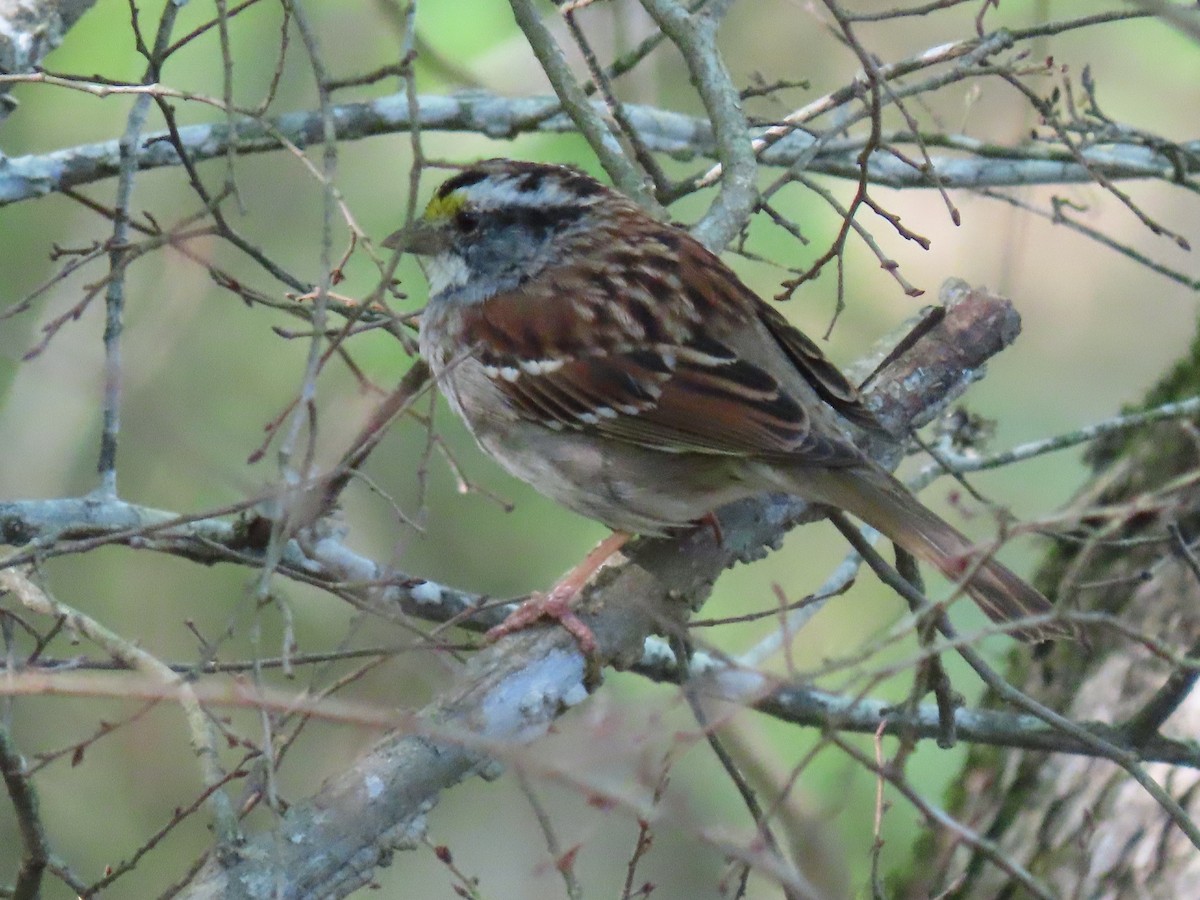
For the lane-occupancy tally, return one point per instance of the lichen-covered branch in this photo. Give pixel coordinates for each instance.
(670, 133)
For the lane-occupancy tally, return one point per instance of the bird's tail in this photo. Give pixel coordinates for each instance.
(873, 495)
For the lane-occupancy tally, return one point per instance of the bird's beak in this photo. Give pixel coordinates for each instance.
(420, 238)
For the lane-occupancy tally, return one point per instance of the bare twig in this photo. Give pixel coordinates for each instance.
(695, 34)
(200, 728)
(35, 847)
(583, 114)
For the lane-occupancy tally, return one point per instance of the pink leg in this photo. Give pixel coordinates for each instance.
(556, 603)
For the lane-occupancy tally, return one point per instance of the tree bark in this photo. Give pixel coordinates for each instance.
(1082, 825)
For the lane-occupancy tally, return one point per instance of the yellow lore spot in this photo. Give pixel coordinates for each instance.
(442, 208)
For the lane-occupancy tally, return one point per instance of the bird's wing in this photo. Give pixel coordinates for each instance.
(687, 359)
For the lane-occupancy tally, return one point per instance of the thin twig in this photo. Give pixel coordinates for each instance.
(200, 728)
(972, 462)
(1126, 759)
(575, 102)
(940, 818)
(35, 847)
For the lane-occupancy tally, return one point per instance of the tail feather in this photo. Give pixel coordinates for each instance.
(885, 504)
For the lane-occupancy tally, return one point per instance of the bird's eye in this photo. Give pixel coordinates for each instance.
(466, 222)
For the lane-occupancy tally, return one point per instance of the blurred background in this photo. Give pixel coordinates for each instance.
(204, 374)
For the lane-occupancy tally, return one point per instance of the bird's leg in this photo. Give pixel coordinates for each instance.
(556, 603)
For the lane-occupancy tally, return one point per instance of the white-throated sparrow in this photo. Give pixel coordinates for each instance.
(619, 367)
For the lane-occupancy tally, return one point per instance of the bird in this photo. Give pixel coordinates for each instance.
(619, 367)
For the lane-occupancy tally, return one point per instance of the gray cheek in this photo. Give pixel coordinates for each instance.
(506, 256)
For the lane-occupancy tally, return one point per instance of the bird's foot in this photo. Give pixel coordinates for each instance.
(556, 603)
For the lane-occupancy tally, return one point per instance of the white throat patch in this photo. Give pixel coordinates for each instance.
(445, 271)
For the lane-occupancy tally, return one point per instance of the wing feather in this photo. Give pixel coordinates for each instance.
(665, 369)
